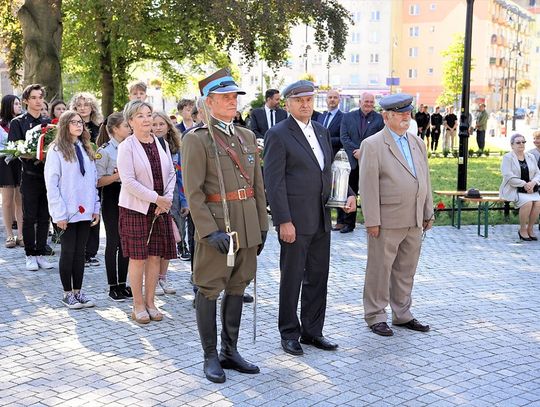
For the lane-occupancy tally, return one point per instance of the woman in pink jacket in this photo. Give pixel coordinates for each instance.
(148, 178)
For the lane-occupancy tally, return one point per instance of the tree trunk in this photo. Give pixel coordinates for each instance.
(103, 39)
(41, 24)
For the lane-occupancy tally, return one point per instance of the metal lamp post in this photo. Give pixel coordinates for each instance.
(465, 94)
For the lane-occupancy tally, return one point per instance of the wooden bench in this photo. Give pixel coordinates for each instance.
(483, 205)
(457, 194)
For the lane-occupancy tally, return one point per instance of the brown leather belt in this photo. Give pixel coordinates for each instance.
(240, 195)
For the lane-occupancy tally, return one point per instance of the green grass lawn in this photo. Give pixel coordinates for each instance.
(483, 173)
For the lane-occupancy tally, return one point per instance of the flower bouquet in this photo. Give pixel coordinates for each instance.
(35, 144)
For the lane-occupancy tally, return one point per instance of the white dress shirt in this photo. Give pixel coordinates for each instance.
(311, 137)
(268, 118)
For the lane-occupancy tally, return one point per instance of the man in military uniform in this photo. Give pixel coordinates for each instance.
(243, 188)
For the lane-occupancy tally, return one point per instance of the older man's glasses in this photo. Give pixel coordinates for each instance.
(520, 142)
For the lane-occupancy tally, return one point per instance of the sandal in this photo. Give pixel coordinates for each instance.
(11, 242)
(154, 314)
(140, 317)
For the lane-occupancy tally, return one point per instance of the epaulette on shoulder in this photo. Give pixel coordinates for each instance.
(104, 145)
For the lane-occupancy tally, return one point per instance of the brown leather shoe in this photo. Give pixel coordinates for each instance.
(414, 325)
(338, 226)
(382, 329)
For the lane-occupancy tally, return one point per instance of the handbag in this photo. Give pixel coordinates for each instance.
(176, 232)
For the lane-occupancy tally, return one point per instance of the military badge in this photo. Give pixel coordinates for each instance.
(251, 158)
(98, 156)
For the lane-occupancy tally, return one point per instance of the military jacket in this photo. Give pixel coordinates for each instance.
(199, 170)
(106, 156)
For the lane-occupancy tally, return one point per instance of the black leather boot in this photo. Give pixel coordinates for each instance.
(231, 314)
(206, 322)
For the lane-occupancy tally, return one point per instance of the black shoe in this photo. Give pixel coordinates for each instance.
(213, 370)
(414, 325)
(534, 238)
(91, 261)
(248, 299)
(48, 251)
(236, 362)
(292, 347)
(185, 256)
(527, 239)
(126, 291)
(382, 329)
(346, 229)
(116, 294)
(338, 227)
(319, 342)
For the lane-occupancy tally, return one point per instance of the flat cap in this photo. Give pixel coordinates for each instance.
(298, 89)
(399, 102)
(219, 82)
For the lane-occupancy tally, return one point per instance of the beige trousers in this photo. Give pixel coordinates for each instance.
(391, 266)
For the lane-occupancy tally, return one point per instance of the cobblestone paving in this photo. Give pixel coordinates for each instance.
(480, 297)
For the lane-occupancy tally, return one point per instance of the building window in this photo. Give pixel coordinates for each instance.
(430, 71)
(413, 52)
(433, 7)
(414, 31)
(373, 79)
(373, 37)
(356, 16)
(355, 37)
(374, 58)
(431, 50)
(355, 58)
(355, 79)
(375, 15)
(414, 9)
(432, 29)
(413, 73)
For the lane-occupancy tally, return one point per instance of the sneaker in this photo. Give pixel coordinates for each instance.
(116, 294)
(31, 263)
(71, 301)
(48, 250)
(166, 286)
(84, 300)
(92, 261)
(159, 290)
(44, 263)
(127, 292)
(185, 255)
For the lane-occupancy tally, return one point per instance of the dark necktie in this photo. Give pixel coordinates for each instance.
(327, 119)
(80, 158)
(272, 120)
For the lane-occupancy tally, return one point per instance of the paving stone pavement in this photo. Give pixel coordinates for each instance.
(480, 297)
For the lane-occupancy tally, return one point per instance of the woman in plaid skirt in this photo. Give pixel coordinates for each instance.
(148, 178)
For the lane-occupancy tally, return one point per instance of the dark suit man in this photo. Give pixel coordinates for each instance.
(267, 116)
(298, 150)
(331, 119)
(355, 127)
(397, 205)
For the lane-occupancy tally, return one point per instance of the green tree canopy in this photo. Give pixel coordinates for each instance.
(103, 39)
(453, 71)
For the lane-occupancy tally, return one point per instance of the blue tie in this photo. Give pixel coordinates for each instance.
(327, 119)
(407, 153)
(80, 158)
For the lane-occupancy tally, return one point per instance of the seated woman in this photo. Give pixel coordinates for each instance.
(521, 177)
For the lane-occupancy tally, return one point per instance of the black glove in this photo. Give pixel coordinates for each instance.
(219, 240)
(263, 238)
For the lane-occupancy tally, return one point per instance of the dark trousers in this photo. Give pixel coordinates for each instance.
(92, 245)
(35, 214)
(304, 266)
(115, 262)
(435, 134)
(481, 139)
(71, 264)
(350, 218)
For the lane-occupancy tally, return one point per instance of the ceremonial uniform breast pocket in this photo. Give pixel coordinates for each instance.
(224, 159)
(249, 152)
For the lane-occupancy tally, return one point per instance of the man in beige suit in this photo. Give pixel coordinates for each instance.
(395, 190)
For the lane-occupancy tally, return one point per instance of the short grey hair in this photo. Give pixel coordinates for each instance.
(133, 107)
(515, 136)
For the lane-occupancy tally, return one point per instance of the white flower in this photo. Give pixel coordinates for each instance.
(31, 134)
